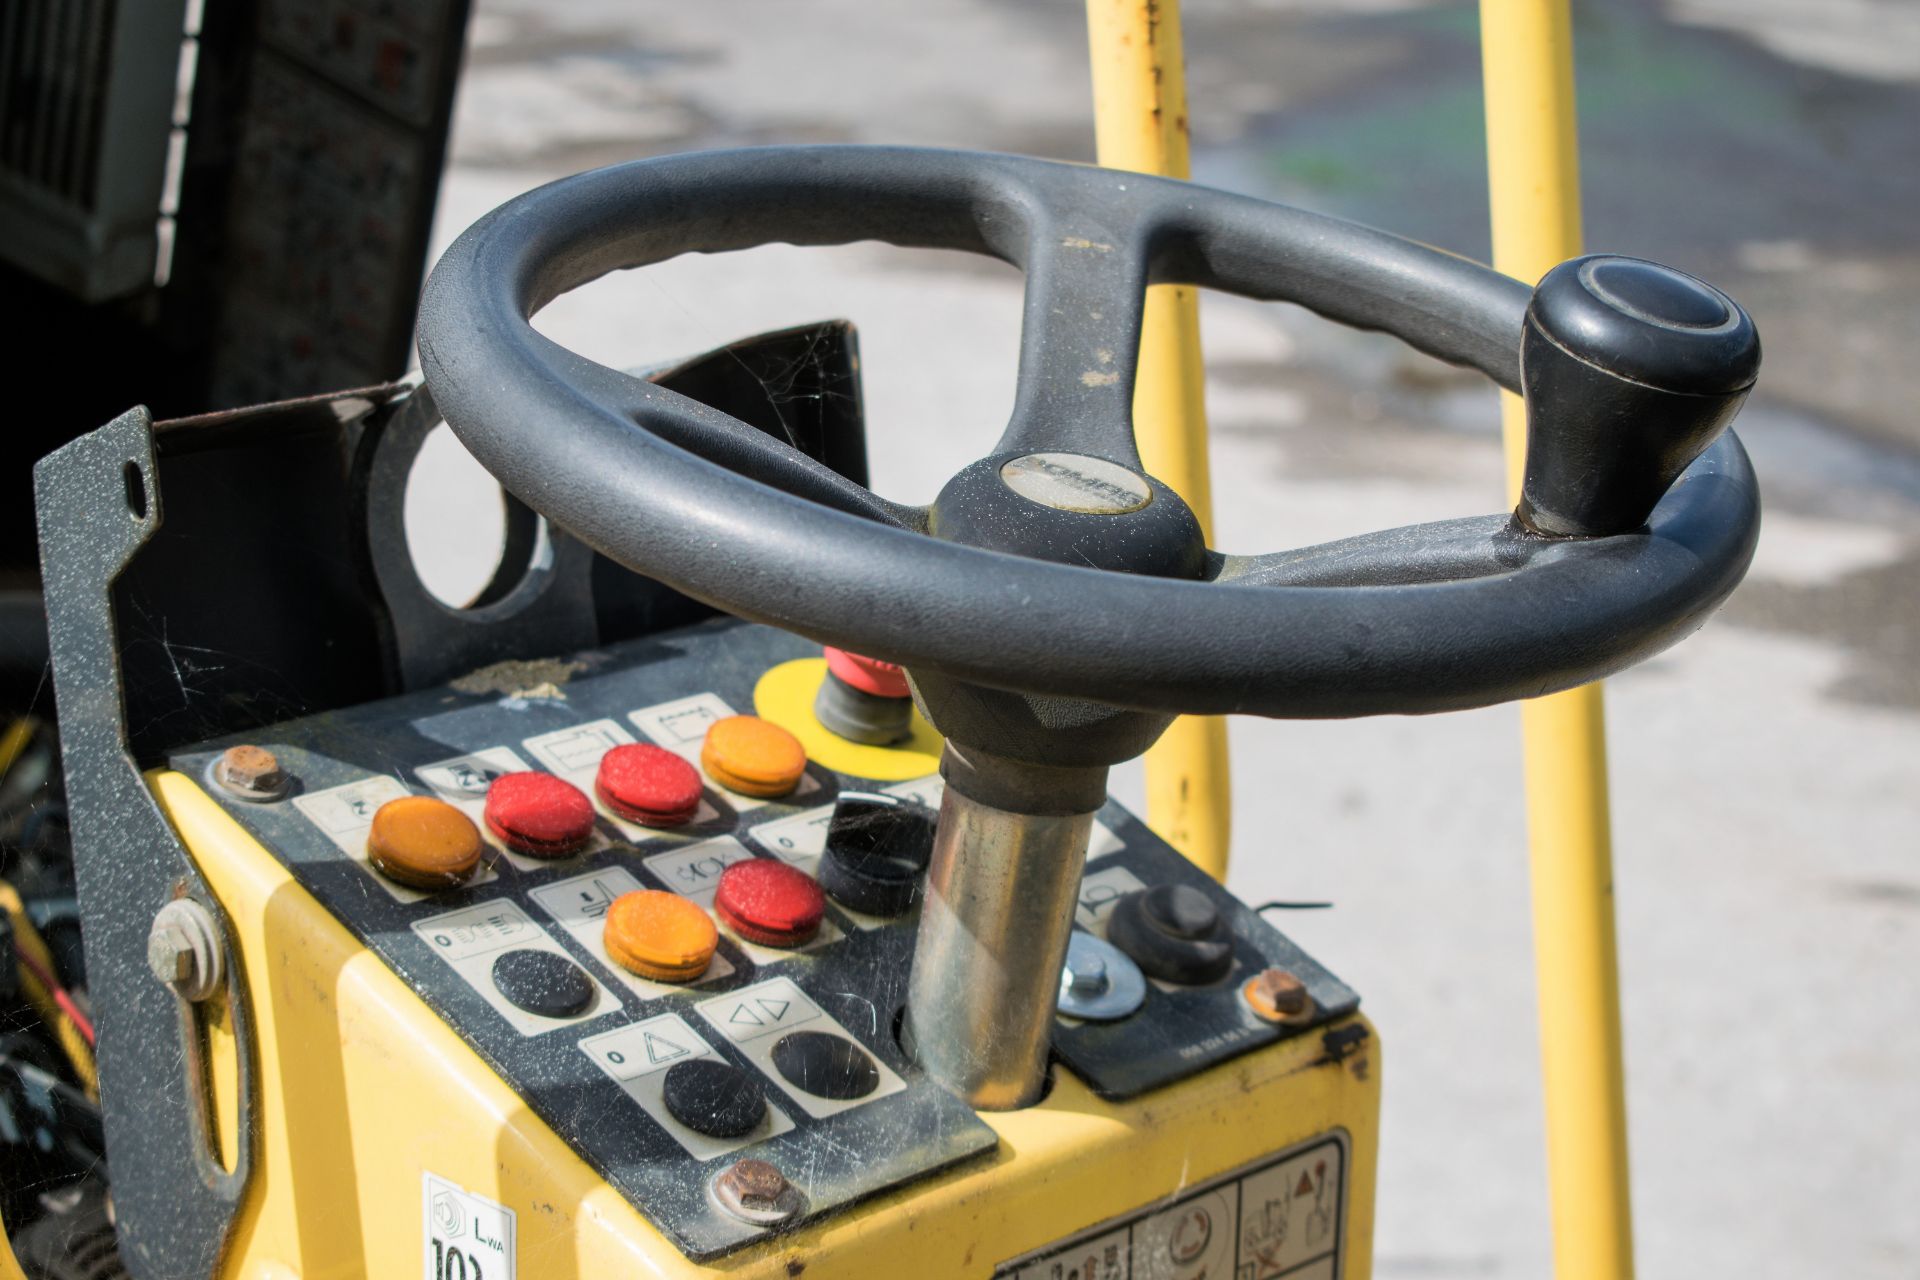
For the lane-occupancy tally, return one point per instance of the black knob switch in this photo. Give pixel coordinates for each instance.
(1631, 370)
(878, 848)
(1174, 932)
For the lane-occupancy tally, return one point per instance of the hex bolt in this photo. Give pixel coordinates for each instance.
(756, 1192)
(184, 950)
(251, 773)
(1278, 996)
(1084, 973)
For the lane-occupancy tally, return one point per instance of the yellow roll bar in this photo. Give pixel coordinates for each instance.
(1534, 180)
(1140, 123)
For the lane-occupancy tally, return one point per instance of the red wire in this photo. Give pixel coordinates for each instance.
(59, 993)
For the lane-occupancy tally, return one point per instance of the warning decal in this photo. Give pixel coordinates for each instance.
(466, 1237)
(1284, 1217)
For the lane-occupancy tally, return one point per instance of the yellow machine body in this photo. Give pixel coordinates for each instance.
(364, 1091)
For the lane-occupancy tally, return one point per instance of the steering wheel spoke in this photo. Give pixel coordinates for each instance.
(1080, 336)
(722, 438)
(1440, 551)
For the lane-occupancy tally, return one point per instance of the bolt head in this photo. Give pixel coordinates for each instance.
(1086, 973)
(251, 769)
(1278, 995)
(170, 955)
(758, 1184)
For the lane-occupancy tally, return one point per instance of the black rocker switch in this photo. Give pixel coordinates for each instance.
(1631, 370)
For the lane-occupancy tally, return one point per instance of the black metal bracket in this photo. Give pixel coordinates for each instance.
(98, 500)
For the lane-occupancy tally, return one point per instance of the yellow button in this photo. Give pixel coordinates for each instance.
(423, 843)
(660, 935)
(753, 756)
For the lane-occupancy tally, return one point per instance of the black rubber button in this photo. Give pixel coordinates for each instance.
(1174, 933)
(714, 1097)
(826, 1066)
(543, 983)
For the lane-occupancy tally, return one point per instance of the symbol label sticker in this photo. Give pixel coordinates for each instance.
(681, 727)
(637, 1058)
(344, 814)
(464, 1236)
(1285, 1217)
(694, 872)
(757, 1018)
(579, 905)
(575, 754)
(472, 938)
(463, 782)
(1099, 890)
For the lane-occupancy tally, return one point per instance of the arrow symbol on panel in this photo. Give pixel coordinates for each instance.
(660, 1049)
(743, 1014)
(772, 1012)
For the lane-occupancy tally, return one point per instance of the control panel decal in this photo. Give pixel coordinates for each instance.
(681, 727)
(1284, 1216)
(638, 1057)
(344, 814)
(574, 754)
(462, 782)
(694, 872)
(580, 907)
(783, 1032)
(472, 940)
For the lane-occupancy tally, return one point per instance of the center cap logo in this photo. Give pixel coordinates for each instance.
(1075, 482)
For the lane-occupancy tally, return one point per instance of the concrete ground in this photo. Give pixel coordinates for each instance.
(1766, 772)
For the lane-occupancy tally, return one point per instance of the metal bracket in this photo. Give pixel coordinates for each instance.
(98, 502)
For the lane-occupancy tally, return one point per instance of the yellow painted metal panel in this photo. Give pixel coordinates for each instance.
(1533, 166)
(363, 1088)
(1140, 123)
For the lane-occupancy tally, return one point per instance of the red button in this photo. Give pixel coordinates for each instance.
(649, 785)
(868, 675)
(769, 902)
(539, 814)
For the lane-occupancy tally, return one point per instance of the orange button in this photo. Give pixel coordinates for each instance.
(423, 843)
(753, 756)
(660, 935)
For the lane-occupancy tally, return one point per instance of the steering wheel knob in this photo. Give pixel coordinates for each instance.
(1631, 370)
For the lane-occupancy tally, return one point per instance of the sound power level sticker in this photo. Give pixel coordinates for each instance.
(1282, 1217)
(464, 1236)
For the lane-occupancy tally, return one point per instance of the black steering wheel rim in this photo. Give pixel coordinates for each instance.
(1434, 618)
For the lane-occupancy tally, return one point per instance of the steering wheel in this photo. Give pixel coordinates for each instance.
(1055, 566)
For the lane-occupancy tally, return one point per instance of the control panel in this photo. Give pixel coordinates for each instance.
(680, 928)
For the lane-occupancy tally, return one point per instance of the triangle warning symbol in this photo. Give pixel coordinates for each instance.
(1306, 1185)
(660, 1049)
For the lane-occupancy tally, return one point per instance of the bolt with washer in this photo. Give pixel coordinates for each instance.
(1278, 996)
(250, 773)
(756, 1192)
(184, 950)
(1085, 973)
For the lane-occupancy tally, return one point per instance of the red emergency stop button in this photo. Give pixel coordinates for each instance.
(538, 814)
(770, 902)
(868, 675)
(648, 785)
